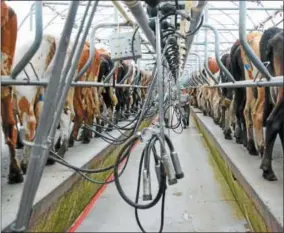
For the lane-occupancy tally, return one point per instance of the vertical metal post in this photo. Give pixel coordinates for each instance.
(41, 145)
(248, 50)
(160, 77)
(68, 73)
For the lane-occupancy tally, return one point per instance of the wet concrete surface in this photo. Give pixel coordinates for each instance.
(53, 176)
(201, 201)
(268, 195)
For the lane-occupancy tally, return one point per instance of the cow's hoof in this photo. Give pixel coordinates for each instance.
(269, 175)
(24, 167)
(97, 135)
(228, 136)
(204, 113)
(15, 178)
(50, 161)
(251, 148)
(239, 140)
(71, 142)
(86, 140)
(261, 151)
(109, 128)
(19, 144)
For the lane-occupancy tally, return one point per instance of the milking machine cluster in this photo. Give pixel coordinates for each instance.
(167, 167)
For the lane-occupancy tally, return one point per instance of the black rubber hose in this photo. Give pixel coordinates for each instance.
(162, 183)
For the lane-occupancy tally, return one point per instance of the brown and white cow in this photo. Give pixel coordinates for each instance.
(8, 45)
(30, 99)
(86, 99)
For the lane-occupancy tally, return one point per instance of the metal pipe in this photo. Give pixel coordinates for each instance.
(35, 45)
(250, 8)
(92, 45)
(160, 77)
(200, 67)
(44, 83)
(196, 13)
(274, 82)
(123, 12)
(127, 75)
(108, 77)
(138, 12)
(41, 145)
(248, 50)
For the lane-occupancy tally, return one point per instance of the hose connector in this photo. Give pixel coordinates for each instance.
(169, 169)
(177, 166)
(147, 195)
(158, 172)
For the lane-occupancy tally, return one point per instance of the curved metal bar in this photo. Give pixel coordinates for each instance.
(137, 76)
(127, 75)
(44, 83)
(248, 50)
(200, 68)
(217, 51)
(35, 45)
(108, 77)
(92, 45)
(27, 16)
(206, 48)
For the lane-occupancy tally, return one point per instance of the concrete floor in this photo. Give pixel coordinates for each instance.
(199, 202)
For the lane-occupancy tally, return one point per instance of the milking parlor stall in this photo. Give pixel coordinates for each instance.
(142, 116)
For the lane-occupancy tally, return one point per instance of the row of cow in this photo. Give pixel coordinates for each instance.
(84, 105)
(244, 112)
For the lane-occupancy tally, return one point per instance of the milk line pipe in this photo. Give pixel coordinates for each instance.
(40, 148)
(69, 78)
(137, 10)
(43, 83)
(248, 50)
(274, 82)
(35, 45)
(92, 44)
(217, 52)
(123, 12)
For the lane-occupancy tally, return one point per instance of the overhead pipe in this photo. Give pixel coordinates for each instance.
(196, 14)
(138, 12)
(119, 7)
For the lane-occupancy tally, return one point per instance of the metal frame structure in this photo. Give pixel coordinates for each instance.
(57, 88)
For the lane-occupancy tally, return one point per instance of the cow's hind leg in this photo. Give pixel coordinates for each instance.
(249, 123)
(10, 132)
(273, 125)
(257, 121)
